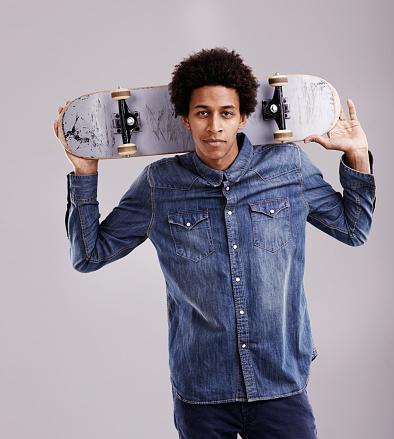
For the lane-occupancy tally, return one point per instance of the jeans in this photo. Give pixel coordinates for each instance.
(282, 418)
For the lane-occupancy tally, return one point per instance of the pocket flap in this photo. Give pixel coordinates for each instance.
(187, 220)
(270, 207)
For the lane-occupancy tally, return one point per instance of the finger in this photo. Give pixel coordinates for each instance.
(60, 109)
(342, 115)
(317, 139)
(55, 127)
(352, 110)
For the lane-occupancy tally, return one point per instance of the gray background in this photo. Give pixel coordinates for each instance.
(85, 356)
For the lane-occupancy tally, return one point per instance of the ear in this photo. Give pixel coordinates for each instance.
(185, 122)
(242, 121)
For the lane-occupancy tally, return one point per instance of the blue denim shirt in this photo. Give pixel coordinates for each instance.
(231, 245)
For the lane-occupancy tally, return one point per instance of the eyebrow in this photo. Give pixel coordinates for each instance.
(224, 107)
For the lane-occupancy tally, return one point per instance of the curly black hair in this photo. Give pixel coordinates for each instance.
(208, 67)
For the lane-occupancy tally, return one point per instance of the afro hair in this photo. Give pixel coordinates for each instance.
(213, 67)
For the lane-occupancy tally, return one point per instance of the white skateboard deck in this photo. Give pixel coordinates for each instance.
(86, 125)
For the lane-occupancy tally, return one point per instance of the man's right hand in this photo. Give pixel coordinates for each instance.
(81, 166)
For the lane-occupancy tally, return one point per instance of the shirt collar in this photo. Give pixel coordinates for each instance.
(236, 170)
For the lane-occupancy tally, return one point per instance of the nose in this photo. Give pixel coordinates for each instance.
(215, 123)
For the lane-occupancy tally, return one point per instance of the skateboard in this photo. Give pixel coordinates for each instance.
(141, 121)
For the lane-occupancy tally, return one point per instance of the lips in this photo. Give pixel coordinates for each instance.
(214, 142)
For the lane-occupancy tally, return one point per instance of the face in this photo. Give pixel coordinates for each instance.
(214, 120)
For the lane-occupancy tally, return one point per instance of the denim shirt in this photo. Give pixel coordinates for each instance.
(231, 245)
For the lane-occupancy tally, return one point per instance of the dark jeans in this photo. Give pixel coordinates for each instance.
(282, 418)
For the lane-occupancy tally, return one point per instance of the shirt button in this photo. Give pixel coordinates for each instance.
(244, 345)
(227, 188)
(229, 212)
(237, 279)
(188, 224)
(272, 211)
(235, 246)
(242, 312)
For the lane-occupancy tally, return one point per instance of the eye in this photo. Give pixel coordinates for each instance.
(227, 113)
(202, 113)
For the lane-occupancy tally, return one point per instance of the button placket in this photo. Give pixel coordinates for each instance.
(238, 289)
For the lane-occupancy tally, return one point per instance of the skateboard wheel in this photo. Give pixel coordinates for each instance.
(120, 93)
(277, 80)
(127, 149)
(283, 135)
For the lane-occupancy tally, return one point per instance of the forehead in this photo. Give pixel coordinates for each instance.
(214, 96)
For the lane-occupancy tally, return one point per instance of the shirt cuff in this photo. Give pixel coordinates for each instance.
(349, 177)
(82, 188)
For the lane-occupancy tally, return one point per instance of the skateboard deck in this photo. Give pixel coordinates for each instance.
(89, 125)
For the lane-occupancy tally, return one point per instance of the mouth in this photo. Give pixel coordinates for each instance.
(214, 142)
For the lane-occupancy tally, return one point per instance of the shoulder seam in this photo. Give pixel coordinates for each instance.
(301, 180)
(152, 198)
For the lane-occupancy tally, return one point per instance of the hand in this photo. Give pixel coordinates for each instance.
(349, 137)
(81, 166)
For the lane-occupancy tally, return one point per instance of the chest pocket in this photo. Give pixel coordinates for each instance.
(271, 223)
(192, 235)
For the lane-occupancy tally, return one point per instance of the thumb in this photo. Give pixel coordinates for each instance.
(318, 139)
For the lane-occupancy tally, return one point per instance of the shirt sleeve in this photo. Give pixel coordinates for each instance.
(347, 216)
(94, 244)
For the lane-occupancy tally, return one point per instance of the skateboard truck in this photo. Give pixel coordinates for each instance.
(125, 122)
(277, 108)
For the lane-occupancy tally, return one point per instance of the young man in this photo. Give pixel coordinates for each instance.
(228, 223)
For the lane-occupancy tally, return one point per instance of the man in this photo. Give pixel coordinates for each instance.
(228, 223)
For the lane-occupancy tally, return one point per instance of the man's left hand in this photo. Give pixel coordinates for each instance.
(349, 137)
